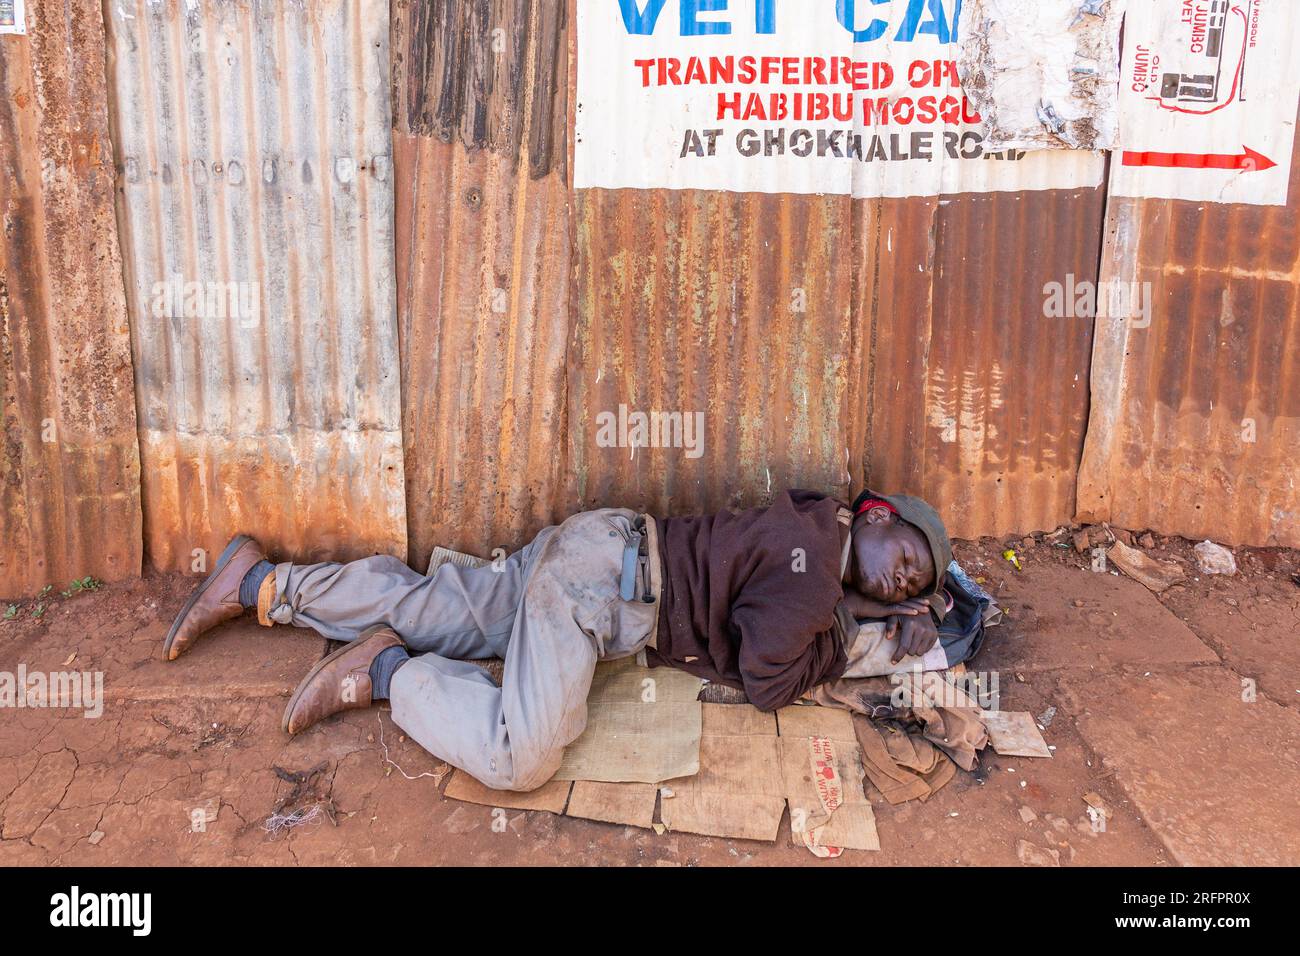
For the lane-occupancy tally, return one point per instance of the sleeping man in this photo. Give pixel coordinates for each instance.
(764, 600)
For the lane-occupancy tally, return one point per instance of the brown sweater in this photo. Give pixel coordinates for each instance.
(741, 608)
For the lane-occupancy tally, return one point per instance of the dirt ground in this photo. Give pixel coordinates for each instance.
(1181, 711)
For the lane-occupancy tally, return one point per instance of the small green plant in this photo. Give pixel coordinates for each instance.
(46, 590)
(39, 611)
(11, 612)
(78, 585)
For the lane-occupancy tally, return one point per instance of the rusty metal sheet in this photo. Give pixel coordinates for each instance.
(825, 342)
(70, 478)
(832, 343)
(483, 265)
(966, 392)
(255, 153)
(1195, 426)
(730, 310)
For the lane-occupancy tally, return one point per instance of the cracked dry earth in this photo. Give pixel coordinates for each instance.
(187, 763)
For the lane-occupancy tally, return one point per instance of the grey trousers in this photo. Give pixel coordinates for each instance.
(551, 611)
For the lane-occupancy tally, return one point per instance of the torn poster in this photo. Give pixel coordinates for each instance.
(13, 18)
(1043, 75)
(775, 96)
(1208, 100)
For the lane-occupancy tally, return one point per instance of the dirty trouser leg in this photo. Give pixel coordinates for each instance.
(456, 612)
(570, 615)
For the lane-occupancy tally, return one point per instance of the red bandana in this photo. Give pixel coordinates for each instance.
(876, 503)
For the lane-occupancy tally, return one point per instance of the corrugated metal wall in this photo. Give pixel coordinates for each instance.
(834, 343)
(377, 392)
(483, 261)
(254, 140)
(733, 306)
(1195, 425)
(69, 471)
(915, 356)
(964, 391)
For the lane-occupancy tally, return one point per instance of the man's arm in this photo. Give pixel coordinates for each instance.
(778, 666)
(909, 621)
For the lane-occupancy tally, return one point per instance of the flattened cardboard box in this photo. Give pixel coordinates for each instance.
(643, 726)
(751, 765)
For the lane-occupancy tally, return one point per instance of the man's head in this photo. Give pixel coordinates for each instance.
(900, 548)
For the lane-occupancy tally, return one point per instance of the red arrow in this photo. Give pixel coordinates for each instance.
(1248, 161)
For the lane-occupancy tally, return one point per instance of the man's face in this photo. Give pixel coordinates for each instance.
(891, 559)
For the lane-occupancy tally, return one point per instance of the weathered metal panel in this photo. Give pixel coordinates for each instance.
(483, 264)
(254, 146)
(835, 343)
(69, 484)
(969, 394)
(1195, 426)
(735, 308)
(826, 342)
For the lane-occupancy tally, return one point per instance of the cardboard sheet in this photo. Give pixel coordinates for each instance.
(738, 791)
(643, 725)
(1014, 734)
(751, 765)
(822, 773)
(552, 796)
(631, 804)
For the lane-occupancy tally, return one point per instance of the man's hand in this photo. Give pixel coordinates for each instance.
(862, 606)
(916, 634)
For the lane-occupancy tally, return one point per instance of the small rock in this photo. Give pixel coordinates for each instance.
(1122, 535)
(95, 837)
(1147, 541)
(1027, 815)
(1215, 559)
(1156, 575)
(1046, 717)
(1031, 855)
(1058, 823)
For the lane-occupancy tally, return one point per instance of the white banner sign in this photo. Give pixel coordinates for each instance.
(1208, 99)
(794, 96)
(12, 17)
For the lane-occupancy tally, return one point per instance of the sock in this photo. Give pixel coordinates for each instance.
(382, 669)
(252, 581)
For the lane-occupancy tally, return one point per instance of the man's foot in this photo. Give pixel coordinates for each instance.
(339, 682)
(215, 600)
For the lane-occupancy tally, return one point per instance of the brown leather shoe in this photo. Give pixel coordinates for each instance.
(339, 682)
(216, 599)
